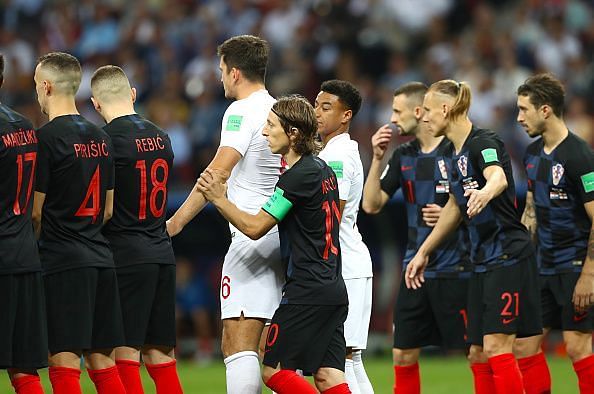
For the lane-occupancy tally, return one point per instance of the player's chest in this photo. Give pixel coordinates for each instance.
(464, 175)
(429, 173)
(548, 178)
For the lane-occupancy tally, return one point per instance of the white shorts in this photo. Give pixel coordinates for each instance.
(252, 278)
(356, 326)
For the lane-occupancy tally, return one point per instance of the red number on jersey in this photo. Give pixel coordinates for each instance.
(330, 247)
(93, 194)
(27, 157)
(225, 287)
(158, 186)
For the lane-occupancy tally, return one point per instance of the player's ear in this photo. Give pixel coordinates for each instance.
(347, 116)
(546, 111)
(47, 87)
(133, 94)
(418, 111)
(96, 104)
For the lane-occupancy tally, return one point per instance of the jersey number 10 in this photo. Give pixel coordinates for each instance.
(330, 247)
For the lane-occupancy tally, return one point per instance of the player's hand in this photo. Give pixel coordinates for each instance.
(431, 214)
(477, 201)
(210, 185)
(414, 275)
(380, 141)
(583, 294)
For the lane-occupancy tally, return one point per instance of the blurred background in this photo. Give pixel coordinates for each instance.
(168, 49)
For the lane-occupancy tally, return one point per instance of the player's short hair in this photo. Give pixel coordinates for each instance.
(247, 53)
(544, 89)
(1, 69)
(414, 91)
(295, 111)
(346, 92)
(63, 70)
(458, 90)
(109, 83)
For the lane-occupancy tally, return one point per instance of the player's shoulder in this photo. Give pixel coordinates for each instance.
(11, 119)
(535, 147)
(409, 148)
(575, 152)
(256, 104)
(575, 143)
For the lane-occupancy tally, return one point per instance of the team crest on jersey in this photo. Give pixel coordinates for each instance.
(557, 171)
(463, 165)
(442, 169)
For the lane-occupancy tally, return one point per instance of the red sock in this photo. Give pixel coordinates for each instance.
(28, 384)
(483, 378)
(506, 374)
(107, 380)
(342, 388)
(407, 379)
(129, 371)
(584, 370)
(65, 380)
(165, 378)
(535, 373)
(286, 381)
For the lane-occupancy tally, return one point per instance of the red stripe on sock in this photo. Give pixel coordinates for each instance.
(28, 384)
(407, 379)
(483, 378)
(584, 370)
(107, 380)
(342, 388)
(65, 380)
(165, 377)
(506, 374)
(129, 371)
(286, 381)
(535, 374)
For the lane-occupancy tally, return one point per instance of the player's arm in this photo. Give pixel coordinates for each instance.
(583, 294)
(449, 220)
(254, 226)
(529, 215)
(108, 211)
(374, 198)
(223, 163)
(38, 200)
(495, 185)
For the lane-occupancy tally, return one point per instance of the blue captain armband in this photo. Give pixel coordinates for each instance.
(277, 205)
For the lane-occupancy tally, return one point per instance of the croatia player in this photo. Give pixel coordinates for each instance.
(252, 273)
(73, 197)
(336, 105)
(559, 211)
(23, 332)
(435, 314)
(503, 297)
(142, 251)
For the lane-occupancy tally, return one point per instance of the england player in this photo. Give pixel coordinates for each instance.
(142, 251)
(559, 210)
(307, 328)
(336, 105)
(503, 300)
(435, 314)
(23, 332)
(252, 273)
(73, 197)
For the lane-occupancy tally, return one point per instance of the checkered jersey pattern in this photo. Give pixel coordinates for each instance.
(558, 182)
(424, 180)
(497, 236)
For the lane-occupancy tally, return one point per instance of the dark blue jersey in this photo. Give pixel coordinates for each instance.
(423, 178)
(497, 236)
(561, 182)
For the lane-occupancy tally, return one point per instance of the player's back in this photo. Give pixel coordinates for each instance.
(18, 157)
(75, 171)
(143, 157)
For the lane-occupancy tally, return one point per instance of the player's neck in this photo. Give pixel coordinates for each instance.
(62, 105)
(291, 157)
(555, 133)
(327, 137)
(427, 141)
(110, 114)
(458, 131)
(247, 89)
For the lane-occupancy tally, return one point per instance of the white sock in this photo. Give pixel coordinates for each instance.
(243, 373)
(351, 378)
(362, 379)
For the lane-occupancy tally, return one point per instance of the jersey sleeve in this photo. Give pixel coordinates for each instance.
(390, 178)
(236, 129)
(44, 162)
(581, 172)
(486, 152)
(344, 170)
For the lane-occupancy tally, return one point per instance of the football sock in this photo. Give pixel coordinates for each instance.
(362, 380)
(483, 378)
(342, 388)
(243, 373)
(107, 380)
(65, 380)
(286, 381)
(129, 371)
(407, 379)
(535, 373)
(584, 370)
(165, 377)
(351, 378)
(506, 374)
(28, 384)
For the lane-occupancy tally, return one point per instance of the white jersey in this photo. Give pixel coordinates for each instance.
(342, 155)
(253, 179)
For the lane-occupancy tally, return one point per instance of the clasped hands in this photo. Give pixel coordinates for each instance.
(211, 184)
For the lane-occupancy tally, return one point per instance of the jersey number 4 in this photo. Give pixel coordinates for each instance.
(331, 214)
(159, 186)
(93, 194)
(21, 159)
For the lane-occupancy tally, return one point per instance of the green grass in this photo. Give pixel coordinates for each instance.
(438, 374)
